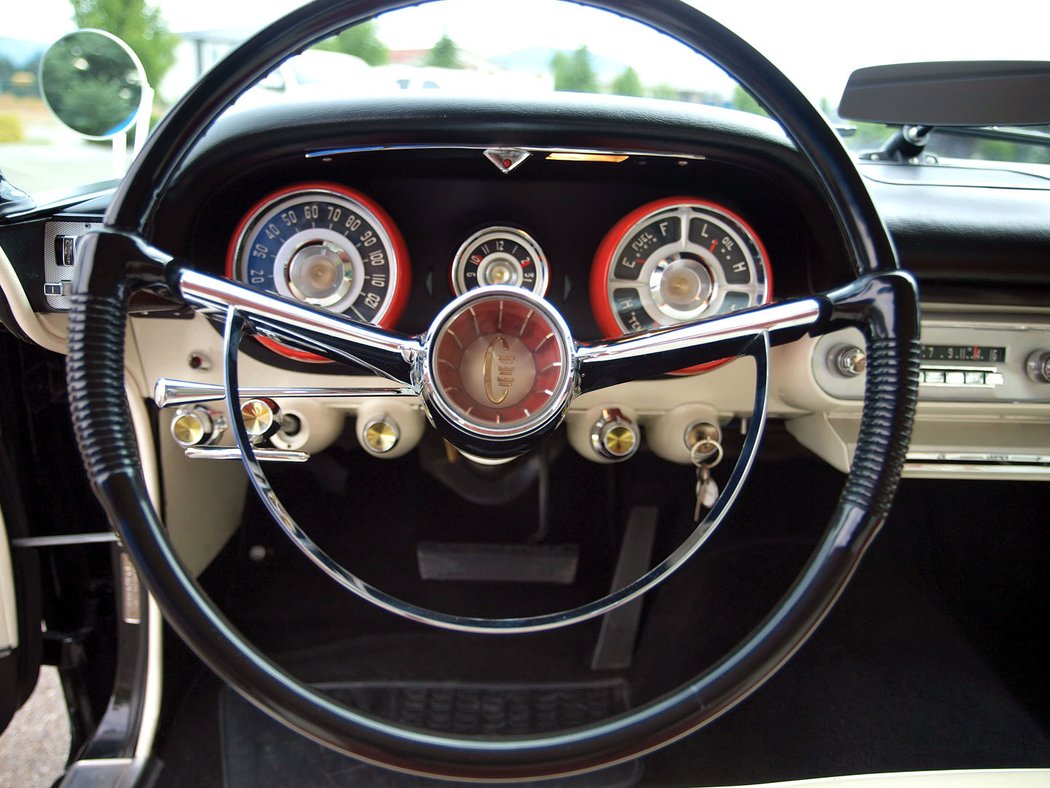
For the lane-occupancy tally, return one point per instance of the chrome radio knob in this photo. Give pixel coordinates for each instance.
(1038, 366)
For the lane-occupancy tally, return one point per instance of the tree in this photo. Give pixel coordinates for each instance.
(140, 26)
(664, 91)
(627, 84)
(361, 41)
(745, 102)
(444, 54)
(574, 72)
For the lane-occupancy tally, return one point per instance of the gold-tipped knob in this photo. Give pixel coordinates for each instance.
(614, 436)
(619, 440)
(197, 426)
(261, 418)
(381, 434)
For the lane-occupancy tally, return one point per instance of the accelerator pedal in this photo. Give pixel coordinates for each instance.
(615, 647)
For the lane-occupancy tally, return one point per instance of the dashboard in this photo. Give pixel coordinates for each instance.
(625, 216)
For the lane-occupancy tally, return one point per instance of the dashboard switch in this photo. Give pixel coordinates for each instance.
(262, 418)
(197, 426)
(1038, 366)
(380, 434)
(614, 436)
(849, 361)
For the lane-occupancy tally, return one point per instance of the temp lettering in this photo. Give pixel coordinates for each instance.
(740, 267)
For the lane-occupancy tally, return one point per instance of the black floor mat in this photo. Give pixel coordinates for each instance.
(260, 753)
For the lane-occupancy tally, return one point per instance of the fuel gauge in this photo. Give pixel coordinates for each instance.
(500, 256)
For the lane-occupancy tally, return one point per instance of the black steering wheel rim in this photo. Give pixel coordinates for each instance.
(882, 303)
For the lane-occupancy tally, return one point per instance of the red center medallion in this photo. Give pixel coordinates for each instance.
(499, 362)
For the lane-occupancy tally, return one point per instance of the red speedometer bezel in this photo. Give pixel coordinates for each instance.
(398, 299)
(603, 263)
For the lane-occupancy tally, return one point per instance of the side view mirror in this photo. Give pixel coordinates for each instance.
(95, 84)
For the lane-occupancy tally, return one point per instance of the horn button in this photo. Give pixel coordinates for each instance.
(500, 363)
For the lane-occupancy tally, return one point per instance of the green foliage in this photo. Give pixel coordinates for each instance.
(361, 41)
(11, 128)
(444, 54)
(867, 136)
(627, 84)
(574, 72)
(140, 26)
(663, 91)
(745, 102)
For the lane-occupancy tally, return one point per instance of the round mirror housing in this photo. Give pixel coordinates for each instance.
(93, 83)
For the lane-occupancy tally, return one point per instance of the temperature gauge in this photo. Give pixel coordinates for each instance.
(500, 256)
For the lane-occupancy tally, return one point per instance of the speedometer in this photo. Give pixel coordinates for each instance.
(327, 246)
(675, 260)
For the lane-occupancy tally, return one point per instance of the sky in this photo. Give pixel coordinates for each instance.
(815, 42)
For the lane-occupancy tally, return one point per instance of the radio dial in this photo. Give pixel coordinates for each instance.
(1038, 366)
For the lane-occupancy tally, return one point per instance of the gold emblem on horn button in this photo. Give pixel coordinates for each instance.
(498, 358)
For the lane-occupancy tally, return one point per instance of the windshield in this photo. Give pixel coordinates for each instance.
(500, 48)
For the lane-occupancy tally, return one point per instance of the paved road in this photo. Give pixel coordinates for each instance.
(37, 168)
(35, 746)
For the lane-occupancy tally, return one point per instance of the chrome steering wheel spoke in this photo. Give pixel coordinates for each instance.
(335, 337)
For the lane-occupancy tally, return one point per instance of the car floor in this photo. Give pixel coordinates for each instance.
(931, 660)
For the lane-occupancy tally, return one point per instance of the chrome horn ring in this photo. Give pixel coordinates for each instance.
(525, 432)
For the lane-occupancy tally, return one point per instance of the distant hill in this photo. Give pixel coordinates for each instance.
(538, 60)
(20, 53)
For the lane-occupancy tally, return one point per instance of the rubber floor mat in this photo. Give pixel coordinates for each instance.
(261, 753)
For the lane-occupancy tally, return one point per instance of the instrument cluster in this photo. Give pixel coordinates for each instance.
(665, 262)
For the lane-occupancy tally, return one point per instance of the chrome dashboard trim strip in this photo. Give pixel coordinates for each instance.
(233, 453)
(330, 152)
(66, 540)
(170, 392)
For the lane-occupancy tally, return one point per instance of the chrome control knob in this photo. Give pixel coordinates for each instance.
(380, 434)
(849, 361)
(1038, 366)
(614, 437)
(197, 426)
(262, 418)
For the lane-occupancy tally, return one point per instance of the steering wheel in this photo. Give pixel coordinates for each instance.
(119, 260)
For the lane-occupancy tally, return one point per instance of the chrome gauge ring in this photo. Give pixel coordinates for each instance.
(324, 245)
(500, 255)
(675, 260)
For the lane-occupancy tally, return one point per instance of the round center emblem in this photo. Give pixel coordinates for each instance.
(499, 361)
